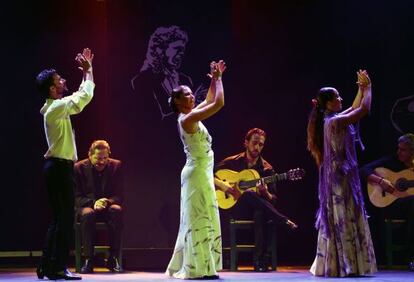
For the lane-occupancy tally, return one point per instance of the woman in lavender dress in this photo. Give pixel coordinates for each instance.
(344, 245)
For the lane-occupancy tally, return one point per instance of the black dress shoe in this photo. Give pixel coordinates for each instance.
(87, 266)
(42, 268)
(210, 277)
(113, 265)
(205, 277)
(261, 267)
(411, 266)
(291, 224)
(40, 271)
(64, 274)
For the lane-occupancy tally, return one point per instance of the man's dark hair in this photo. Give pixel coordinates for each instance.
(254, 131)
(44, 80)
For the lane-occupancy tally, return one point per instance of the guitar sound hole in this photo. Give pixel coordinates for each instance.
(401, 185)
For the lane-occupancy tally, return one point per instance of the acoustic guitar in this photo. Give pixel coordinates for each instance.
(403, 182)
(247, 180)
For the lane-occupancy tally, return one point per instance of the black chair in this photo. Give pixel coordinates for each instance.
(235, 248)
(100, 226)
(392, 226)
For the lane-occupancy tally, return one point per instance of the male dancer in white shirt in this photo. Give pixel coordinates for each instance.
(60, 156)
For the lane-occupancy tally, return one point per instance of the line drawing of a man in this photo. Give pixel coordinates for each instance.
(402, 114)
(160, 72)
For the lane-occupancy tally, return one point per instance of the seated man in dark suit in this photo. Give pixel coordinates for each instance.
(98, 195)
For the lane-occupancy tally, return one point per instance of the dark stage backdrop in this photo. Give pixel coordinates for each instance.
(279, 53)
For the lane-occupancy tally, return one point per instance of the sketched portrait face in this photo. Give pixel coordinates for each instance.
(402, 114)
(160, 72)
(165, 49)
(174, 54)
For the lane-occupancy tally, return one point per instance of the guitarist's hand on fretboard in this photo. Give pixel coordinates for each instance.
(263, 191)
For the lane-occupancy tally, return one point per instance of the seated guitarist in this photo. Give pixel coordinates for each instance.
(257, 206)
(402, 207)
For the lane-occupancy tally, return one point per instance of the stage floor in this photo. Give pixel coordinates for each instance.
(283, 274)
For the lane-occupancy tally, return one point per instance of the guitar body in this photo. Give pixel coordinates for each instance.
(402, 180)
(224, 200)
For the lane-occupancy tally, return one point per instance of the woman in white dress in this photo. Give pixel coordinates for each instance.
(198, 252)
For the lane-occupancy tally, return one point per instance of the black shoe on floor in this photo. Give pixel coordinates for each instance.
(411, 266)
(261, 267)
(87, 266)
(291, 224)
(113, 265)
(42, 268)
(205, 277)
(210, 277)
(64, 274)
(40, 271)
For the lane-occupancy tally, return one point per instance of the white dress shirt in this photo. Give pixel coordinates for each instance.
(58, 128)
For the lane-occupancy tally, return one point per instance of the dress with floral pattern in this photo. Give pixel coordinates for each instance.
(344, 240)
(198, 250)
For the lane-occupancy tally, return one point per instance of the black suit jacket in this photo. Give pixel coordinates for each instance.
(112, 183)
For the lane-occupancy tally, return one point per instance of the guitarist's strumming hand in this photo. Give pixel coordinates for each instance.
(228, 188)
(386, 185)
(233, 192)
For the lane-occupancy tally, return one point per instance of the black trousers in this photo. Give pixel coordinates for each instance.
(59, 180)
(253, 207)
(112, 216)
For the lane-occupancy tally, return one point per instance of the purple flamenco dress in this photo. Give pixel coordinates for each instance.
(344, 240)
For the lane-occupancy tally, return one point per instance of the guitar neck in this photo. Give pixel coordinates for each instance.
(268, 179)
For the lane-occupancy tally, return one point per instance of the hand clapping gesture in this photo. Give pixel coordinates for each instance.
(363, 79)
(85, 60)
(217, 69)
